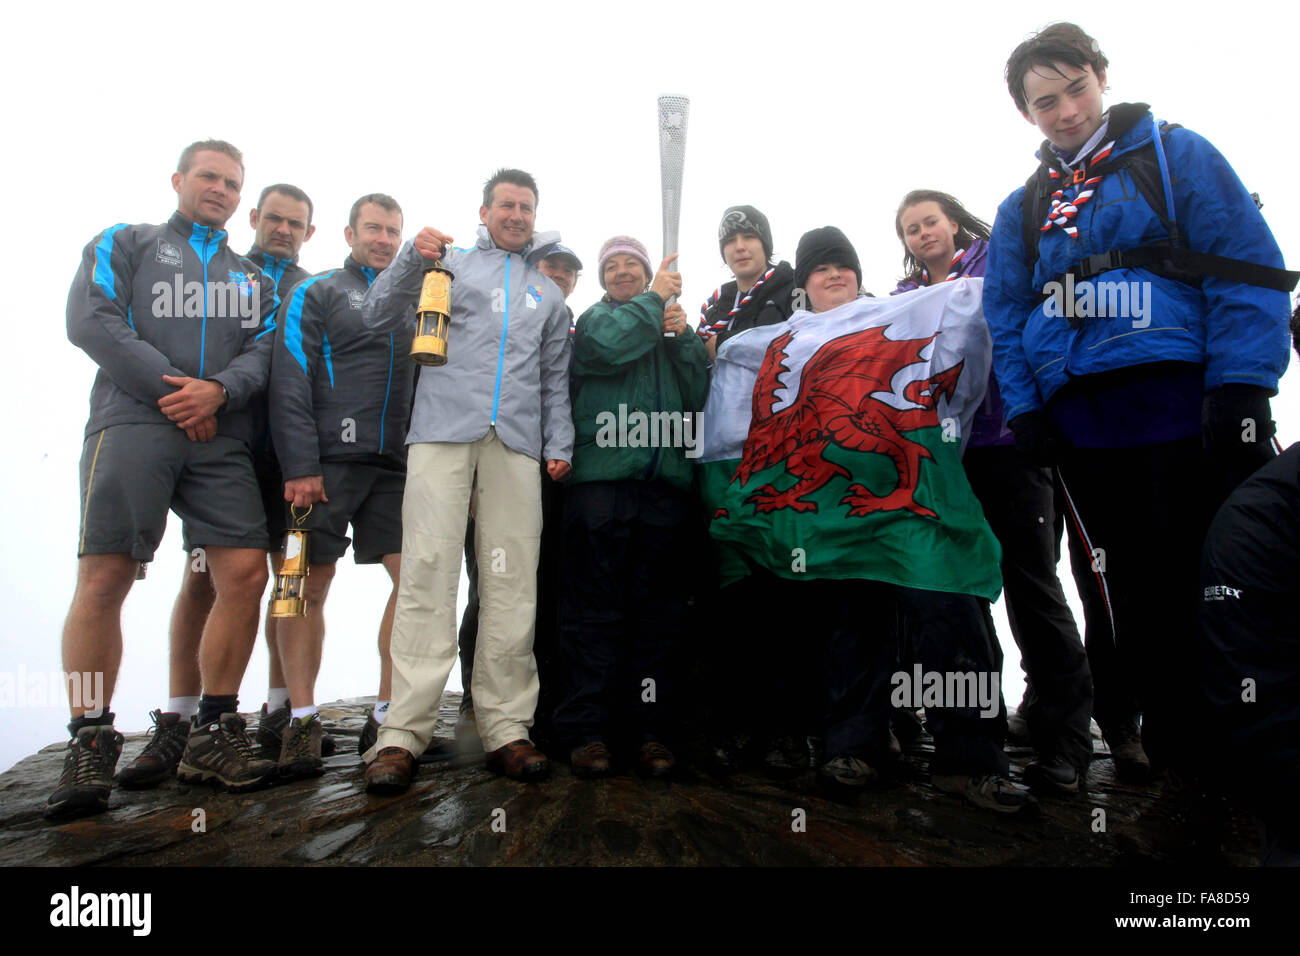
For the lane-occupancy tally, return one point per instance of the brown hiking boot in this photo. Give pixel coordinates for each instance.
(590, 761)
(161, 755)
(519, 760)
(391, 771)
(300, 754)
(1131, 762)
(655, 760)
(221, 753)
(87, 778)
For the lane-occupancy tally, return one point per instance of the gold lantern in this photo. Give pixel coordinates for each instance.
(433, 317)
(287, 598)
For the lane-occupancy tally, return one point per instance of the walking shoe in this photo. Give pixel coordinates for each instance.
(221, 752)
(271, 727)
(391, 771)
(300, 752)
(786, 757)
(1054, 775)
(846, 775)
(988, 791)
(519, 760)
(161, 754)
(655, 761)
(590, 760)
(438, 751)
(1131, 763)
(87, 777)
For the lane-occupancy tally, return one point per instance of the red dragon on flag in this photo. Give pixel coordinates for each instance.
(837, 404)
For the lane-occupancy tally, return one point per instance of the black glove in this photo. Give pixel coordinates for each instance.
(1235, 418)
(1037, 438)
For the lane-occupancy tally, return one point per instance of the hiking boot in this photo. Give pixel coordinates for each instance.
(369, 735)
(655, 761)
(1053, 776)
(300, 754)
(439, 750)
(786, 757)
(87, 777)
(271, 727)
(161, 754)
(591, 760)
(1131, 763)
(988, 791)
(391, 771)
(846, 775)
(519, 760)
(220, 752)
(1017, 729)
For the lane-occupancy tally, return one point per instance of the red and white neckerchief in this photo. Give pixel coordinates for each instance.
(707, 332)
(954, 268)
(1065, 209)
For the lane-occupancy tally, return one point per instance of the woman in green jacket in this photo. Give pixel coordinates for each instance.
(637, 376)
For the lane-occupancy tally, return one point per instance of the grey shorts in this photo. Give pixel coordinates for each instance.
(365, 496)
(132, 474)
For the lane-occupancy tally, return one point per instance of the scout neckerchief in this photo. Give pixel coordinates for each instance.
(707, 332)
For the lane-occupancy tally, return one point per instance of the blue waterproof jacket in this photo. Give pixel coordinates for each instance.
(1238, 332)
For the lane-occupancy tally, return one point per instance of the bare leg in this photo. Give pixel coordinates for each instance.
(303, 638)
(239, 578)
(92, 633)
(393, 565)
(193, 604)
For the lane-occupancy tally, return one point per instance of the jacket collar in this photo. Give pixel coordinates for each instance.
(192, 231)
(362, 272)
(532, 253)
(267, 261)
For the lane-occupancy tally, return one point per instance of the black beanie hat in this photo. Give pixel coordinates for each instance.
(819, 246)
(745, 219)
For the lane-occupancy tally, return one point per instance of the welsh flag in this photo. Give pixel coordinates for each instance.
(831, 444)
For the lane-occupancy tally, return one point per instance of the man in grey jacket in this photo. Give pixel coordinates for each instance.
(181, 329)
(480, 425)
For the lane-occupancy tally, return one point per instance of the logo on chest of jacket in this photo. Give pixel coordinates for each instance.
(168, 254)
(1219, 592)
(356, 297)
(534, 296)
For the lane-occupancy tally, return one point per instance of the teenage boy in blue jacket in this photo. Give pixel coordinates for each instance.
(1145, 374)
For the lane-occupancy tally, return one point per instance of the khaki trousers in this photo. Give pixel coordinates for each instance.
(441, 480)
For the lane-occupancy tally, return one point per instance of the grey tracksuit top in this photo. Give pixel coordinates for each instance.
(170, 299)
(339, 390)
(507, 354)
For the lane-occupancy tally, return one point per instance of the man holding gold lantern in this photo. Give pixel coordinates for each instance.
(480, 424)
(340, 402)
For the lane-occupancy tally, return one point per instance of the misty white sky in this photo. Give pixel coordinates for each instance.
(817, 113)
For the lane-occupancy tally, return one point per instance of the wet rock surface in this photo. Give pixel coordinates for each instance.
(461, 814)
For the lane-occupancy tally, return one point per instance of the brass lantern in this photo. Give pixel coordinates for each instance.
(287, 597)
(433, 317)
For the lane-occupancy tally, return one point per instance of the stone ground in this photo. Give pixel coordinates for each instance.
(463, 814)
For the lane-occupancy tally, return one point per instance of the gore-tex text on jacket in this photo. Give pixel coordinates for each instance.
(507, 353)
(339, 390)
(170, 299)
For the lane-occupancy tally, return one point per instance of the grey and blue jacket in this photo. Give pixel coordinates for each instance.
(339, 391)
(285, 273)
(508, 348)
(170, 299)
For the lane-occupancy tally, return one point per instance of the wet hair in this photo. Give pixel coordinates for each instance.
(382, 200)
(1058, 43)
(516, 177)
(969, 226)
(214, 145)
(293, 192)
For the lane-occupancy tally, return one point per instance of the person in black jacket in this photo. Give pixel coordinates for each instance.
(761, 294)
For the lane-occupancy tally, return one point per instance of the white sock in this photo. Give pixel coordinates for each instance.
(187, 707)
(302, 713)
(381, 711)
(276, 698)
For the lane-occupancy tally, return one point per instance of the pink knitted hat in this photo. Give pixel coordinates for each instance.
(623, 245)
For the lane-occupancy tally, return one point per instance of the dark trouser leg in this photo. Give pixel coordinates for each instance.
(1018, 502)
(1143, 509)
(597, 533)
(657, 594)
(951, 634)
(468, 637)
(855, 624)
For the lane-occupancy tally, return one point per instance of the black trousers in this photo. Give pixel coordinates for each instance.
(1019, 502)
(624, 609)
